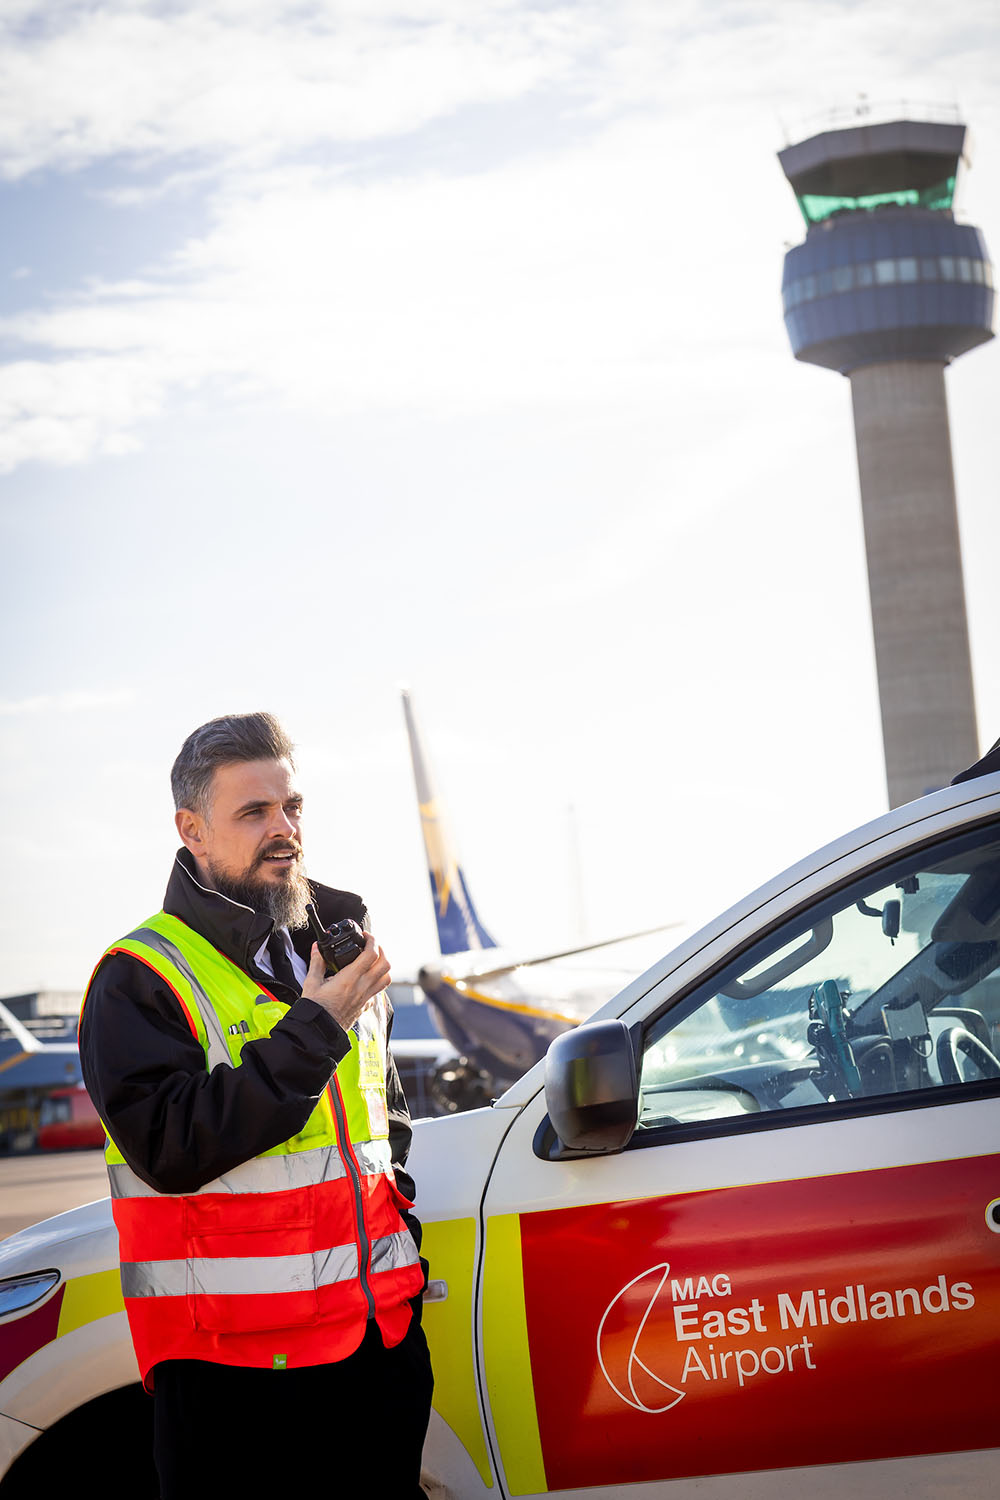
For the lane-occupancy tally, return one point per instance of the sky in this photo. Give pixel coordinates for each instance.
(348, 345)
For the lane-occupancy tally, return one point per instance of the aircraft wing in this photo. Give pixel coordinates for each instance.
(478, 964)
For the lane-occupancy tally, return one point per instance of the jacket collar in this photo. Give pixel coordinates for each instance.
(236, 930)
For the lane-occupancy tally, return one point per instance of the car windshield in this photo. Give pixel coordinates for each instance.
(857, 1004)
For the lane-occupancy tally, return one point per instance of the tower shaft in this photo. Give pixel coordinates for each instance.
(888, 288)
(914, 574)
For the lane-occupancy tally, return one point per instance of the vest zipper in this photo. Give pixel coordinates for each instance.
(354, 1174)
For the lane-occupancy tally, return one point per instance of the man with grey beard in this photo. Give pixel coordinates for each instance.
(257, 1147)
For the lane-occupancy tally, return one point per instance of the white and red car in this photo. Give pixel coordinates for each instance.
(739, 1236)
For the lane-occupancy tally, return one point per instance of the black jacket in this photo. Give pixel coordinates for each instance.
(177, 1125)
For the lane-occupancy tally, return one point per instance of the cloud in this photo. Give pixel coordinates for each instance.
(634, 258)
(66, 411)
(548, 282)
(257, 80)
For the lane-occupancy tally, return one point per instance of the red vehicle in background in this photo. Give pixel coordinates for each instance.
(68, 1119)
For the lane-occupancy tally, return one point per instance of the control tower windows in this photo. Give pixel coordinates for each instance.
(819, 206)
(888, 271)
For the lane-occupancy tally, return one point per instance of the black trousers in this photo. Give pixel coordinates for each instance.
(354, 1428)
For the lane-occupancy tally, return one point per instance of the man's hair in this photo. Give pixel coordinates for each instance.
(221, 742)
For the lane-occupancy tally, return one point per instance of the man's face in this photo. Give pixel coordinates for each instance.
(249, 846)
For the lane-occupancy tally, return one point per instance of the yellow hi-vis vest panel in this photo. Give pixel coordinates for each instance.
(281, 1261)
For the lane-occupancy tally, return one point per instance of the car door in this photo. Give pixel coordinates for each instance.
(791, 1275)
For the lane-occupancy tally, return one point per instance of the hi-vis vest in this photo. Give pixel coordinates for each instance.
(281, 1261)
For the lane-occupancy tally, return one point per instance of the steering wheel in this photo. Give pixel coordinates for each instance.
(956, 1048)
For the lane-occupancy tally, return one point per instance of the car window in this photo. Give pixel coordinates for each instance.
(891, 987)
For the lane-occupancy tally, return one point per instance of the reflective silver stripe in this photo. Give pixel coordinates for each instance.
(393, 1251)
(264, 1174)
(217, 1049)
(239, 1276)
(374, 1157)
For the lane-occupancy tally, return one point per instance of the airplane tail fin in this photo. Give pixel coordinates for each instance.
(458, 924)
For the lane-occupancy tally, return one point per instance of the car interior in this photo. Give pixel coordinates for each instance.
(893, 987)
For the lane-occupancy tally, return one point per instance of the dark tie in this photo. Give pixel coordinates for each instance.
(280, 962)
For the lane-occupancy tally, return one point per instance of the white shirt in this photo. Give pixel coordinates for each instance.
(299, 966)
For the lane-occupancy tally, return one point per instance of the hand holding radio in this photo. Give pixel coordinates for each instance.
(347, 969)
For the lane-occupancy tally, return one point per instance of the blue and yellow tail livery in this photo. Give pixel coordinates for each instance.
(458, 924)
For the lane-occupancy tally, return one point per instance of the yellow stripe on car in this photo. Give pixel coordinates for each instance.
(450, 1248)
(88, 1298)
(508, 1359)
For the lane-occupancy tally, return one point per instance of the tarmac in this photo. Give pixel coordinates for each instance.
(42, 1183)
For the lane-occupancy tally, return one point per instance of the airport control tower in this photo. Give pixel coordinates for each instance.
(888, 289)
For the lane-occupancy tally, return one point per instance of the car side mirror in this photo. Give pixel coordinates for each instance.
(591, 1091)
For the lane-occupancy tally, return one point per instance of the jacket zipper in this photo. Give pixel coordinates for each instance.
(354, 1173)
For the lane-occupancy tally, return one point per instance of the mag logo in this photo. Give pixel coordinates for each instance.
(664, 1337)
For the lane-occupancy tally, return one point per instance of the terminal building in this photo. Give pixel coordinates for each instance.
(887, 289)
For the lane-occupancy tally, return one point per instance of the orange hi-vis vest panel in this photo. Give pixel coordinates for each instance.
(281, 1261)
